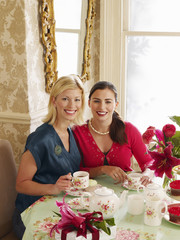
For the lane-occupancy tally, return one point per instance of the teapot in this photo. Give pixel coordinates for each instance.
(104, 200)
(152, 191)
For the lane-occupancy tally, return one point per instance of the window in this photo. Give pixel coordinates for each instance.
(151, 33)
(70, 32)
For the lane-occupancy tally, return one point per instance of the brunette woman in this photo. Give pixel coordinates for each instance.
(106, 142)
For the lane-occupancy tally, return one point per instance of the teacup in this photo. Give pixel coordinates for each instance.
(155, 209)
(134, 181)
(80, 179)
(135, 204)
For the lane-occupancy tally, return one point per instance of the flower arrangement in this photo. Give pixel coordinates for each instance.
(165, 149)
(69, 221)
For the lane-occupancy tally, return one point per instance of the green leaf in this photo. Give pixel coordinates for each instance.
(103, 226)
(166, 181)
(176, 143)
(175, 119)
(176, 135)
(176, 139)
(58, 214)
(110, 221)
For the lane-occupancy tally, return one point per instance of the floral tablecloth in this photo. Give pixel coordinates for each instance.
(40, 217)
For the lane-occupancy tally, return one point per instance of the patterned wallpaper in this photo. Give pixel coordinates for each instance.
(22, 94)
(23, 100)
(12, 57)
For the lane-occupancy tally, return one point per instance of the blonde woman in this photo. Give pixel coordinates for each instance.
(51, 154)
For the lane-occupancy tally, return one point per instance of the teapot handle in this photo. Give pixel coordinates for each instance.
(82, 201)
(163, 209)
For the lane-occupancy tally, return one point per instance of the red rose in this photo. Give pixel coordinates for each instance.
(169, 130)
(151, 128)
(148, 135)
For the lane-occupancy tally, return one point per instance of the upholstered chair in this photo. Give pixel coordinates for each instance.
(8, 174)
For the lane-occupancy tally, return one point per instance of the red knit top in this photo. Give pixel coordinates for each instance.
(118, 155)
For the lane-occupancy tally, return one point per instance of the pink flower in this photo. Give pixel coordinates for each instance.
(149, 212)
(46, 226)
(70, 221)
(160, 136)
(148, 135)
(169, 130)
(164, 162)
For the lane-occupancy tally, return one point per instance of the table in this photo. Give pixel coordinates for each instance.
(39, 219)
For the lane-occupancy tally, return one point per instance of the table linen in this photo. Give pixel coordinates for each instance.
(39, 218)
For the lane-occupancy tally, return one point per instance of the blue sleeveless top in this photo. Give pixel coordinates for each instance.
(51, 158)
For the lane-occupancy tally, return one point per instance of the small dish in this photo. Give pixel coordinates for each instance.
(176, 169)
(167, 217)
(168, 192)
(76, 204)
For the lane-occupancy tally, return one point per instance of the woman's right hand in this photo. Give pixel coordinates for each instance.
(25, 184)
(62, 184)
(115, 172)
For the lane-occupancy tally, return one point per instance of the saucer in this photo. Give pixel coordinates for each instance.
(125, 185)
(176, 169)
(75, 192)
(76, 204)
(166, 216)
(168, 192)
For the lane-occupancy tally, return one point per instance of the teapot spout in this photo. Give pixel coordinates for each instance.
(122, 198)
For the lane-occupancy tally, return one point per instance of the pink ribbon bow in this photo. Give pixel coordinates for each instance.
(81, 223)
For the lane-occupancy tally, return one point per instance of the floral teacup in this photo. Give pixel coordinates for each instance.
(81, 179)
(134, 181)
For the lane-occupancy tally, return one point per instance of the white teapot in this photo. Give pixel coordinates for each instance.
(152, 191)
(104, 200)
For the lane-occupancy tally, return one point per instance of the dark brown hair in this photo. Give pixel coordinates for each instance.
(117, 127)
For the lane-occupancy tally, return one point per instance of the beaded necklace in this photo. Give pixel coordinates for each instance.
(100, 133)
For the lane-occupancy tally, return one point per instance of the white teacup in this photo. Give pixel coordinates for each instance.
(80, 179)
(134, 180)
(155, 209)
(135, 204)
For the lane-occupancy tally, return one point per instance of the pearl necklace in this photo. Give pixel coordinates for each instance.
(90, 124)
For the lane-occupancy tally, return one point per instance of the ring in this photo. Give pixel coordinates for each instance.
(115, 175)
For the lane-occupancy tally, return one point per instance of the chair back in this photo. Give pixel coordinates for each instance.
(8, 173)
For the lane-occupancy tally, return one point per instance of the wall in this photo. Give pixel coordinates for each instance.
(22, 96)
(23, 100)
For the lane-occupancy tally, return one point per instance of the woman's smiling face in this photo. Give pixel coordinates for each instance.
(68, 103)
(102, 104)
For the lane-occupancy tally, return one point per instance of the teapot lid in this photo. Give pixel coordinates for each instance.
(104, 191)
(153, 186)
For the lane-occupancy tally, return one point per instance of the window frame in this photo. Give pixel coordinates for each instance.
(113, 54)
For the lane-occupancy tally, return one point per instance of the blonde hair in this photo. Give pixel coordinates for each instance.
(71, 81)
